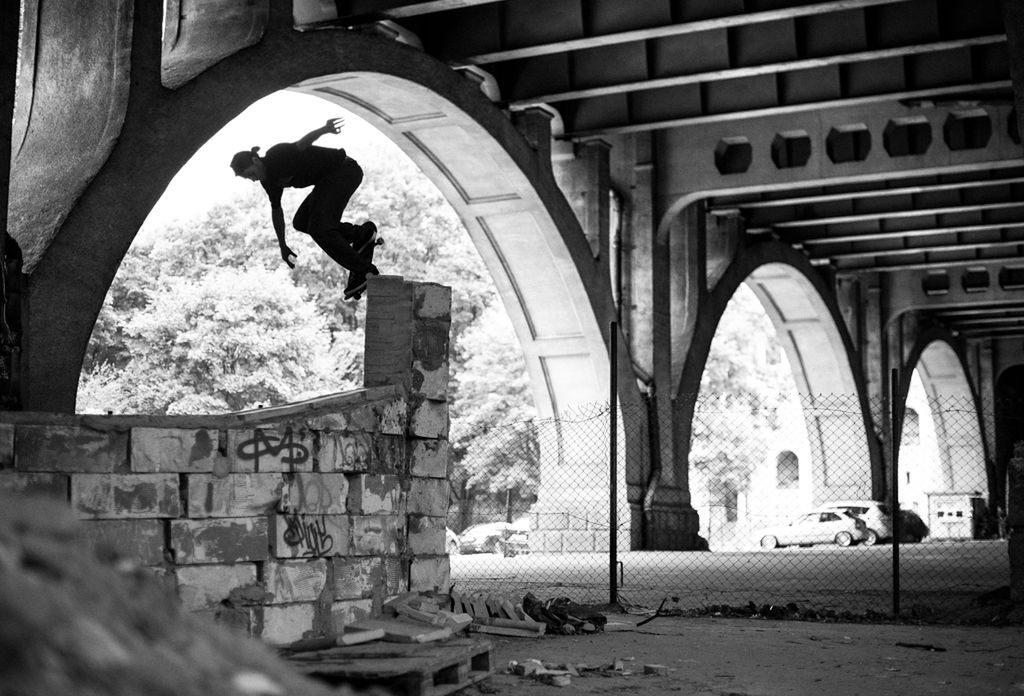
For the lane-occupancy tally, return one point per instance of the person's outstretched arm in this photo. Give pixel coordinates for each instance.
(333, 125)
(277, 217)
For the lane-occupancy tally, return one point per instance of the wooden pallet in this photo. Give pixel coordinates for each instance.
(417, 669)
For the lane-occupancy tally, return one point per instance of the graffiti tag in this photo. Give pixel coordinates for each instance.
(309, 537)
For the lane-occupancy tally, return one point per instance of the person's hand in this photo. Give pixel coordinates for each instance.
(334, 125)
(288, 255)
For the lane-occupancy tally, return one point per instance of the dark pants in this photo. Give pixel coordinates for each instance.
(320, 213)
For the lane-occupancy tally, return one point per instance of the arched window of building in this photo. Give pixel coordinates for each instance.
(787, 470)
(911, 428)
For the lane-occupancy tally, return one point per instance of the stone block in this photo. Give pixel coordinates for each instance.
(139, 540)
(244, 621)
(70, 449)
(428, 496)
(233, 495)
(345, 451)
(375, 535)
(396, 575)
(347, 612)
(430, 359)
(270, 449)
(128, 495)
(389, 454)
(429, 458)
(6, 446)
(295, 581)
(206, 586)
(392, 416)
(429, 418)
(162, 450)
(371, 494)
(430, 574)
(357, 578)
(309, 536)
(388, 349)
(287, 623)
(431, 301)
(315, 494)
(35, 483)
(426, 535)
(219, 541)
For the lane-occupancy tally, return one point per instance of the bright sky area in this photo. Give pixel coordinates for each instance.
(281, 117)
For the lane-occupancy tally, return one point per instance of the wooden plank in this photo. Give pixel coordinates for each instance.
(397, 631)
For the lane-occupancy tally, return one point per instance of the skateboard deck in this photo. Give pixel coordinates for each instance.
(356, 285)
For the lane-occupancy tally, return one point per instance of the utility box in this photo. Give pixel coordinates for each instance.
(955, 515)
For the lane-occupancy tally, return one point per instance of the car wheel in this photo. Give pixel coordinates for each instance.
(453, 549)
(844, 539)
(769, 542)
(871, 539)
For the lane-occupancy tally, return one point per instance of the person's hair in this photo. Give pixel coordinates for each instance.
(243, 159)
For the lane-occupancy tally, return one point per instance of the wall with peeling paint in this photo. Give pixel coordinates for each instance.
(286, 522)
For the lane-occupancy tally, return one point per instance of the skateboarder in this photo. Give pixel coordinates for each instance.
(334, 177)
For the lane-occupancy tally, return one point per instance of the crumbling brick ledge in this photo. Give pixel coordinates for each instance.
(285, 522)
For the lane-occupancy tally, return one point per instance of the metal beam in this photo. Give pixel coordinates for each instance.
(722, 22)
(940, 248)
(863, 217)
(930, 93)
(751, 71)
(924, 265)
(898, 234)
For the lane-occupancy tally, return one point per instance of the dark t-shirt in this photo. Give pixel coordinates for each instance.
(288, 166)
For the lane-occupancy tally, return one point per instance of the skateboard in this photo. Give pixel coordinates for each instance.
(357, 281)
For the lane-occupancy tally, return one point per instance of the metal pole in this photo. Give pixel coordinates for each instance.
(894, 435)
(613, 428)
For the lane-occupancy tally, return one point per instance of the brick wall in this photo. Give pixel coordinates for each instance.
(284, 522)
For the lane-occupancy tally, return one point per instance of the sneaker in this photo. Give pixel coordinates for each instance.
(357, 285)
(367, 236)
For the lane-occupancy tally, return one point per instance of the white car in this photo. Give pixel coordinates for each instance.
(875, 515)
(815, 527)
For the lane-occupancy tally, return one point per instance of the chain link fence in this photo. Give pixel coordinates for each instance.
(792, 502)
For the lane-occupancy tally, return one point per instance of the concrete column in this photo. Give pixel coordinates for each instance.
(9, 21)
(586, 183)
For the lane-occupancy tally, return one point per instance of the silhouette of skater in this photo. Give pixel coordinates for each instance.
(334, 177)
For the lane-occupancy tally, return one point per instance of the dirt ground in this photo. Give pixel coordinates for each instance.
(756, 657)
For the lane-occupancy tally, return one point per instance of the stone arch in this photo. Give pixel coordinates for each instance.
(500, 185)
(963, 465)
(845, 461)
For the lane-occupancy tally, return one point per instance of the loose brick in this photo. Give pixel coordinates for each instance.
(426, 535)
(139, 540)
(219, 541)
(6, 446)
(356, 578)
(315, 494)
(160, 450)
(32, 483)
(370, 494)
(206, 586)
(70, 449)
(233, 495)
(427, 574)
(429, 458)
(346, 613)
(428, 496)
(308, 536)
(429, 419)
(432, 301)
(287, 623)
(345, 451)
(270, 449)
(375, 535)
(295, 581)
(129, 495)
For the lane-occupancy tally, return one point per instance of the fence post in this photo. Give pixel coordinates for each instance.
(894, 445)
(613, 517)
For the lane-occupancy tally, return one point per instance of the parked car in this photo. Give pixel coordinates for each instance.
(451, 541)
(876, 516)
(496, 537)
(816, 527)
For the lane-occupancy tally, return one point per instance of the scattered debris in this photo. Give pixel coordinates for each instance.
(922, 646)
(562, 674)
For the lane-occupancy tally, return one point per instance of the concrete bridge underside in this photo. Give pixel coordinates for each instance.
(865, 215)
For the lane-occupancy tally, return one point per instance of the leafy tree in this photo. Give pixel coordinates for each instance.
(746, 379)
